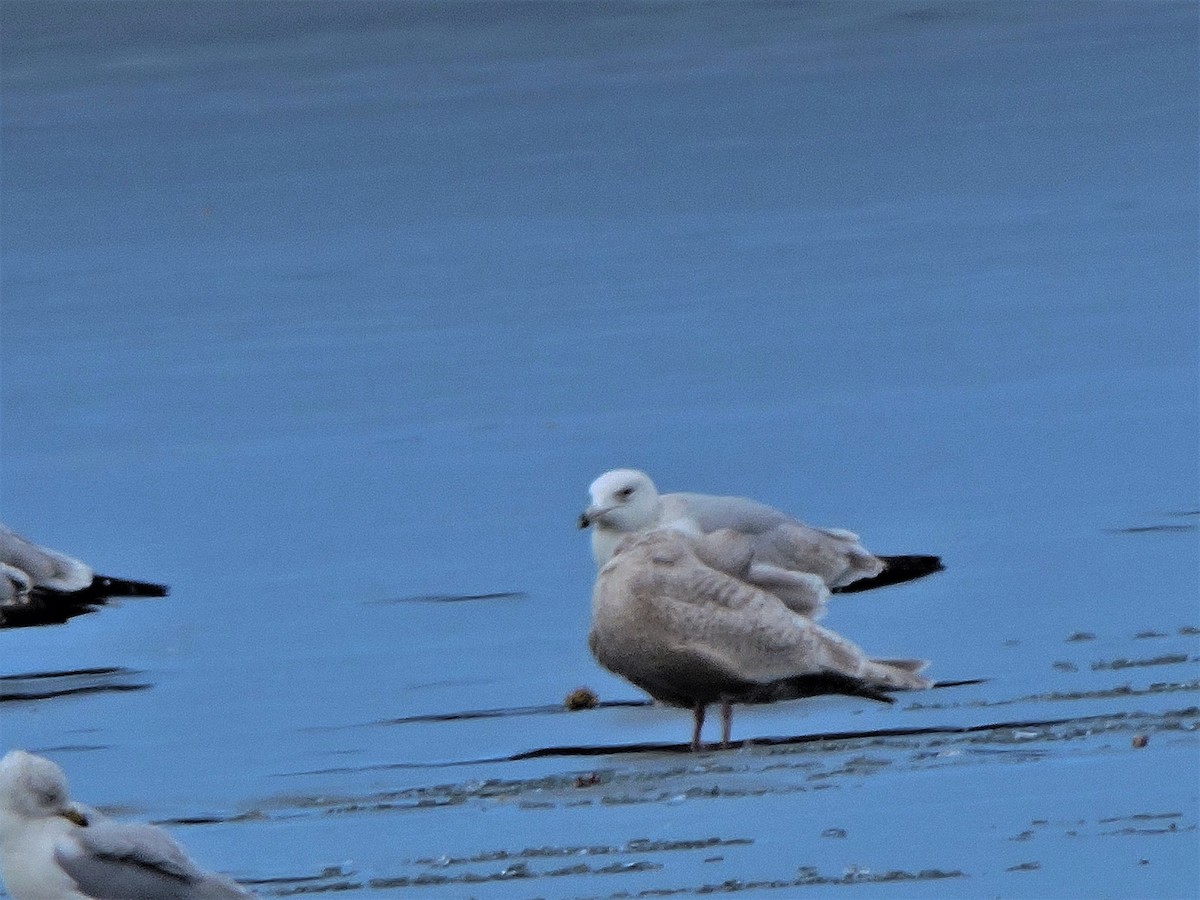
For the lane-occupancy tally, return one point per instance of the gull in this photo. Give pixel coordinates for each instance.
(39, 586)
(799, 564)
(54, 849)
(691, 635)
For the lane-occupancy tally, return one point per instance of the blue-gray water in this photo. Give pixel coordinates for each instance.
(310, 307)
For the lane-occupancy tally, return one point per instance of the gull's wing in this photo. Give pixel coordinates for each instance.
(46, 568)
(781, 544)
(711, 512)
(112, 860)
(757, 638)
(732, 552)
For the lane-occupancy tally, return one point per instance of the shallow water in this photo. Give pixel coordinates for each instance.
(328, 314)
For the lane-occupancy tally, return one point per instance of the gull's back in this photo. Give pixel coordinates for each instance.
(712, 512)
(778, 540)
(124, 861)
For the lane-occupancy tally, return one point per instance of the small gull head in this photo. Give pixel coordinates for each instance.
(32, 787)
(624, 500)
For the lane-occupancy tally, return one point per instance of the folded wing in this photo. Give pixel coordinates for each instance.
(112, 860)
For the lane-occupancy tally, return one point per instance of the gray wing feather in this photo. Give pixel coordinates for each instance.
(742, 514)
(47, 568)
(118, 861)
(777, 539)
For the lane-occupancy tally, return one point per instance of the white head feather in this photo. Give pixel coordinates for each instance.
(623, 501)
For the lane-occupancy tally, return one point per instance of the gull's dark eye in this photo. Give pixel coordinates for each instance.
(623, 493)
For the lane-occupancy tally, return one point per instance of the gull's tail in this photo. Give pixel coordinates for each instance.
(896, 674)
(896, 570)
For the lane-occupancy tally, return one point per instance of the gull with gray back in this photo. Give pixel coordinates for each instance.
(54, 849)
(797, 563)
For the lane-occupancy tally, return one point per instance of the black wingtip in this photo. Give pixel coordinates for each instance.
(48, 607)
(896, 570)
(104, 586)
(37, 611)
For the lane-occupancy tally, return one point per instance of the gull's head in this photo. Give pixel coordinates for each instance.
(32, 787)
(622, 500)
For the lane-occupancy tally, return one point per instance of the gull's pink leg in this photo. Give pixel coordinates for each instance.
(697, 724)
(726, 722)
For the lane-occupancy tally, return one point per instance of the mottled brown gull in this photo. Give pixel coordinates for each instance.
(54, 849)
(690, 635)
(40, 586)
(796, 562)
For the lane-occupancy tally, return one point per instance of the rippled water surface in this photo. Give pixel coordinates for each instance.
(327, 314)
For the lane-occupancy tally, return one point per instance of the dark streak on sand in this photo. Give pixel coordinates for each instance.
(606, 750)
(1153, 529)
(47, 685)
(542, 710)
(449, 598)
(501, 713)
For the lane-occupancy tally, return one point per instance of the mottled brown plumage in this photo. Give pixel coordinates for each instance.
(690, 634)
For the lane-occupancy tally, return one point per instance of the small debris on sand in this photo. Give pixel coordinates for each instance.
(581, 698)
